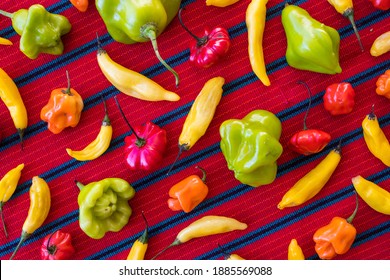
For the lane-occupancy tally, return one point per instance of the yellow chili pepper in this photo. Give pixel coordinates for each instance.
(229, 256)
(10, 95)
(255, 22)
(99, 145)
(205, 226)
(375, 196)
(138, 250)
(295, 251)
(381, 44)
(201, 114)
(220, 3)
(8, 186)
(375, 139)
(40, 201)
(4, 41)
(313, 182)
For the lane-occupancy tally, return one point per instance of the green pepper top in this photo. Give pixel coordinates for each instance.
(104, 206)
(311, 45)
(40, 30)
(131, 21)
(251, 147)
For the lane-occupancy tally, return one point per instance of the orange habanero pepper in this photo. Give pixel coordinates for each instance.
(383, 84)
(81, 5)
(63, 109)
(336, 238)
(188, 193)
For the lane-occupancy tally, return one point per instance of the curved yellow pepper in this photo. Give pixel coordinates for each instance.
(10, 95)
(138, 250)
(381, 44)
(313, 182)
(295, 251)
(220, 3)
(255, 22)
(376, 197)
(5, 42)
(375, 139)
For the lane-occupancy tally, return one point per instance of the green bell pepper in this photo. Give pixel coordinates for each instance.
(40, 30)
(251, 147)
(104, 206)
(311, 45)
(132, 21)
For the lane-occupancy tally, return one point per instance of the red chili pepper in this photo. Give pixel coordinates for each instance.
(146, 146)
(57, 246)
(381, 4)
(209, 48)
(308, 141)
(339, 98)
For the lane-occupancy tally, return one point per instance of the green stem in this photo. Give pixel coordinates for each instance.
(144, 237)
(174, 243)
(23, 238)
(79, 185)
(21, 134)
(349, 14)
(4, 13)
(204, 173)
(2, 219)
(67, 90)
(350, 218)
(309, 106)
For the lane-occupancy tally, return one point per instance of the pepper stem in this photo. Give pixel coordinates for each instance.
(67, 90)
(350, 218)
(79, 185)
(2, 219)
(309, 106)
(182, 148)
(21, 134)
(23, 238)
(371, 115)
(140, 141)
(106, 120)
(349, 14)
(200, 41)
(224, 253)
(150, 32)
(51, 249)
(204, 173)
(6, 14)
(144, 237)
(174, 243)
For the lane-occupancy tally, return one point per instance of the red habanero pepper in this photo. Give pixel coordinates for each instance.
(339, 99)
(208, 49)
(57, 246)
(383, 84)
(381, 4)
(308, 141)
(145, 147)
(337, 237)
(188, 193)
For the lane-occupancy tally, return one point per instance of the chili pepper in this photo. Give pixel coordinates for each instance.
(375, 138)
(345, 7)
(5, 42)
(99, 145)
(138, 250)
(211, 47)
(383, 84)
(57, 246)
(251, 147)
(200, 115)
(40, 30)
(295, 251)
(308, 141)
(381, 44)
(336, 238)
(40, 202)
(311, 45)
(81, 5)
(8, 186)
(104, 206)
(131, 82)
(146, 146)
(339, 98)
(228, 256)
(255, 18)
(381, 4)
(220, 3)
(205, 226)
(313, 182)
(188, 193)
(63, 109)
(132, 21)
(10, 95)
(376, 197)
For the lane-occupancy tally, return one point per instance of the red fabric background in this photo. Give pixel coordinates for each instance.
(269, 229)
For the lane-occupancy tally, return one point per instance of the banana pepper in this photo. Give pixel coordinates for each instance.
(251, 147)
(104, 206)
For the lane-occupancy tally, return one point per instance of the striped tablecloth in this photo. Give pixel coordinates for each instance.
(269, 229)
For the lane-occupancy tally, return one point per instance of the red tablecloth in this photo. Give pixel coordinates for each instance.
(269, 229)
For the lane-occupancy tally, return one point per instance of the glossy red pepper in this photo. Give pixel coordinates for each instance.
(308, 141)
(381, 4)
(57, 246)
(145, 147)
(339, 99)
(208, 49)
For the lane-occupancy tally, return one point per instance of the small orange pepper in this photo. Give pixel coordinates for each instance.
(336, 238)
(188, 193)
(383, 84)
(81, 5)
(63, 109)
